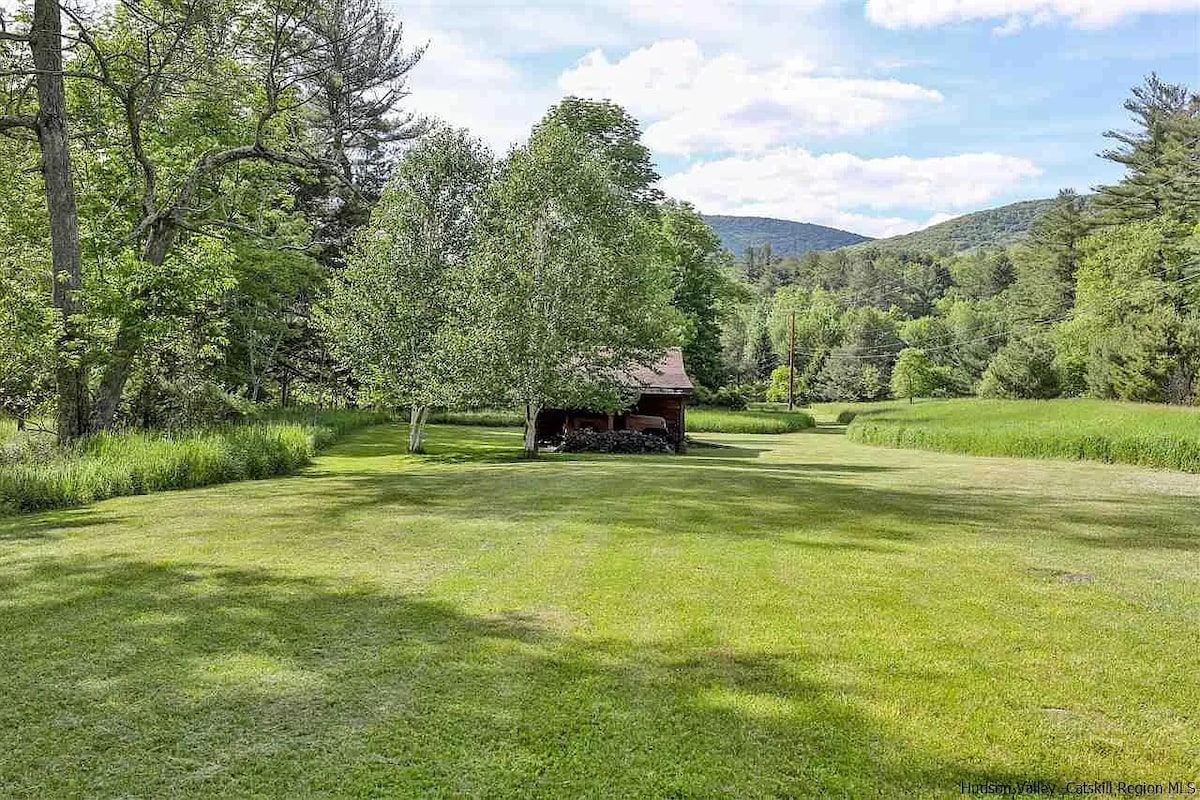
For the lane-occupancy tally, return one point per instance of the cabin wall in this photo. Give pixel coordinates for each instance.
(669, 407)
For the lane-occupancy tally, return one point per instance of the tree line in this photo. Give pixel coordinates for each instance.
(218, 204)
(215, 205)
(1098, 300)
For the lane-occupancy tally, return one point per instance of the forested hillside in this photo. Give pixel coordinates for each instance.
(992, 227)
(783, 237)
(1097, 300)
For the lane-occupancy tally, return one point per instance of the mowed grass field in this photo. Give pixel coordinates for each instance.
(1165, 437)
(789, 615)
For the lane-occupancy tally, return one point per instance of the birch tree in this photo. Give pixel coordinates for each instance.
(397, 312)
(567, 290)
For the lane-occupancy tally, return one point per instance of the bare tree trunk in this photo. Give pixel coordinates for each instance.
(69, 374)
(416, 428)
(531, 415)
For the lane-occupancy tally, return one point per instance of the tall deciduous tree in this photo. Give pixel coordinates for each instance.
(700, 277)
(397, 311)
(609, 133)
(183, 99)
(568, 289)
(44, 37)
(913, 376)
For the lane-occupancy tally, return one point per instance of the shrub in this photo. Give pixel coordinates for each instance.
(846, 417)
(736, 397)
(183, 405)
(1023, 368)
(614, 442)
(118, 464)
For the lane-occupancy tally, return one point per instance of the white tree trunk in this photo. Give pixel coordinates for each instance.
(416, 428)
(531, 415)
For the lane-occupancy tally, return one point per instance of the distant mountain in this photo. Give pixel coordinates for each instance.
(786, 238)
(993, 227)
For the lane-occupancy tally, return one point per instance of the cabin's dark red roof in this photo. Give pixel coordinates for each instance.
(667, 376)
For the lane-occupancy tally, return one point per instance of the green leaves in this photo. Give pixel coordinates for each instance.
(567, 287)
(397, 313)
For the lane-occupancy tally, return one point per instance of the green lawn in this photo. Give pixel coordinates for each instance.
(793, 615)
(1166, 437)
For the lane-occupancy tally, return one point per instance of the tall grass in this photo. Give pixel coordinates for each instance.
(707, 420)
(488, 417)
(117, 464)
(1092, 430)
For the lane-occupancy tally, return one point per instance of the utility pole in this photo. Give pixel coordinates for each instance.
(792, 366)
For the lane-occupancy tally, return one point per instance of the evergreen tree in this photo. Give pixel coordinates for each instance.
(1161, 156)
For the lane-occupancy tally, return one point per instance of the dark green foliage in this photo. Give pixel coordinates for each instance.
(700, 281)
(734, 397)
(761, 355)
(860, 368)
(1022, 369)
(785, 238)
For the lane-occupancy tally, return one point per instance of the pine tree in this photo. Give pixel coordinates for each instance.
(1162, 156)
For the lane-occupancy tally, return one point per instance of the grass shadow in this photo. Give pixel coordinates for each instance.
(197, 680)
(48, 524)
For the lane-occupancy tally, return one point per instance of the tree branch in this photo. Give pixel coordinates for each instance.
(9, 121)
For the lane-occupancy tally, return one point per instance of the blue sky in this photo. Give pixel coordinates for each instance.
(877, 116)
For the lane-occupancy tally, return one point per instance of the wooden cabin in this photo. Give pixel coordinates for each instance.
(662, 393)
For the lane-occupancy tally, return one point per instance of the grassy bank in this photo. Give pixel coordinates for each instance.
(789, 616)
(708, 420)
(1084, 430)
(488, 417)
(118, 464)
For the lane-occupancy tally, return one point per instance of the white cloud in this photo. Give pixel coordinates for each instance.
(938, 219)
(1017, 13)
(696, 103)
(1011, 26)
(467, 88)
(539, 26)
(840, 189)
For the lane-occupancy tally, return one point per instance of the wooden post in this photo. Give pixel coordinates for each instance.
(792, 366)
